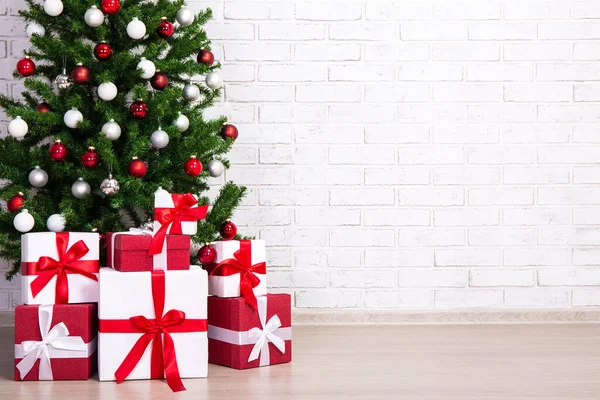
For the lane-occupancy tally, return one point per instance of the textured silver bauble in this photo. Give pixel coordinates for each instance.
(185, 16)
(63, 81)
(159, 139)
(191, 92)
(81, 188)
(110, 186)
(182, 122)
(38, 177)
(214, 80)
(215, 168)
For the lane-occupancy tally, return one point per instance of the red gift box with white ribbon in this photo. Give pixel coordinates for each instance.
(55, 342)
(59, 268)
(241, 337)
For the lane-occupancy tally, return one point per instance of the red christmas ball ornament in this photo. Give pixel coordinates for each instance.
(58, 151)
(26, 67)
(138, 109)
(90, 158)
(103, 51)
(228, 230)
(16, 203)
(165, 28)
(160, 80)
(207, 255)
(137, 168)
(229, 131)
(206, 57)
(81, 74)
(43, 108)
(110, 7)
(193, 166)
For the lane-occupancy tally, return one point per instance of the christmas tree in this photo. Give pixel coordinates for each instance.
(121, 117)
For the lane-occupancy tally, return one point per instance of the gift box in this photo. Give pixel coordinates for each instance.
(239, 270)
(241, 337)
(59, 268)
(55, 342)
(153, 325)
(128, 252)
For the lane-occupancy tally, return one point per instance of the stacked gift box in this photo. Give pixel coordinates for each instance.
(148, 313)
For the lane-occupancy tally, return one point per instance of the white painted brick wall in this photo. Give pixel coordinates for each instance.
(409, 154)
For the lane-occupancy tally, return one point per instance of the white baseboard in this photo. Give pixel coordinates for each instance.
(437, 317)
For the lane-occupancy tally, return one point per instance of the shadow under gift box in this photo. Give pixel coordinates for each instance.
(80, 319)
(129, 253)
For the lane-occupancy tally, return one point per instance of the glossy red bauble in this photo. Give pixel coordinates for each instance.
(228, 230)
(165, 28)
(110, 7)
(43, 108)
(138, 109)
(103, 51)
(26, 67)
(90, 158)
(193, 166)
(229, 131)
(137, 168)
(159, 81)
(207, 255)
(81, 74)
(206, 57)
(15, 203)
(58, 151)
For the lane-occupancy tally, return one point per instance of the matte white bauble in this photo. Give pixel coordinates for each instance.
(107, 91)
(94, 17)
(18, 128)
(72, 118)
(148, 68)
(112, 130)
(185, 16)
(56, 223)
(182, 122)
(214, 80)
(23, 221)
(35, 29)
(136, 29)
(159, 139)
(53, 7)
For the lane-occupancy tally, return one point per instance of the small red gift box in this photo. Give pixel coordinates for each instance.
(55, 342)
(241, 337)
(128, 252)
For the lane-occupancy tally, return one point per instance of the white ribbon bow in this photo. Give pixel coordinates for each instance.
(265, 335)
(57, 338)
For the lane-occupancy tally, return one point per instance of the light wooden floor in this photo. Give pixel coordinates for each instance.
(503, 362)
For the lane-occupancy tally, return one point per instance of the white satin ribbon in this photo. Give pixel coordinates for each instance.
(271, 332)
(56, 338)
(159, 261)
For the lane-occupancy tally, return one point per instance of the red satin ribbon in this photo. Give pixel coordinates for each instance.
(173, 217)
(163, 361)
(242, 264)
(69, 262)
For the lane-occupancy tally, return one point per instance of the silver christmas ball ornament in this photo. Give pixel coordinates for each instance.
(215, 168)
(185, 16)
(23, 221)
(94, 17)
(109, 186)
(38, 177)
(63, 81)
(159, 139)
(72, 118)
(191, 92)
(214, 80)
(182, 122)
(35, 29)
(111, 130)
(81, 188)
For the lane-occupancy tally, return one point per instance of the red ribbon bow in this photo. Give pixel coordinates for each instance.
(172, 218)
(163, 360)
(242, 264)
(69, 261)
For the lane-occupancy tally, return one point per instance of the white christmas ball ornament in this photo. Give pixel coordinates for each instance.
(182, 122)
(107, 91)
(45, 79)
(18, 128)
(136, 29)
(38, 177)
(72, 118)
(159, 139)
(148, 68)
(185, 16)
(191, 92)
(23, 221)
(214, 80)
(35, 29)
(112, 130)
(56, 223)
(94, 17)
(53, 7)
(80, 188)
